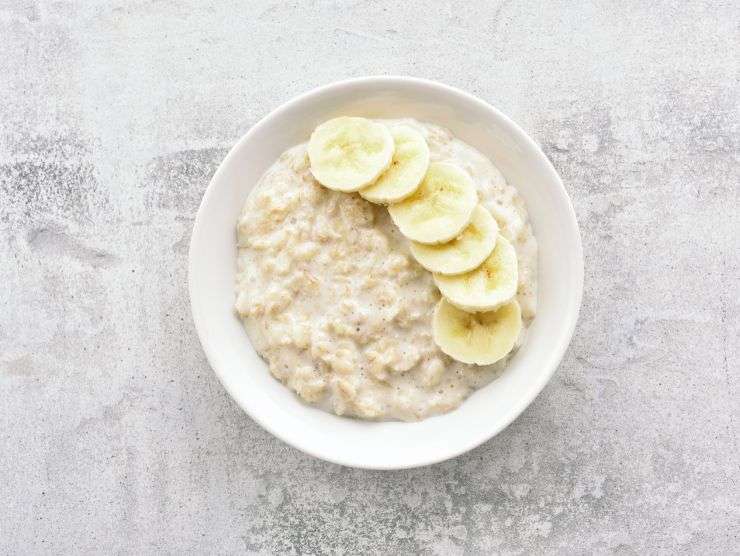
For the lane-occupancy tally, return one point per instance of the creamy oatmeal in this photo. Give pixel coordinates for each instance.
(334, 302)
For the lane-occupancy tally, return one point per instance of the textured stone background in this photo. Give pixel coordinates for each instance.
(115, 435)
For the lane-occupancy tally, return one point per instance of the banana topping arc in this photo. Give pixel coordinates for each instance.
(435, 205)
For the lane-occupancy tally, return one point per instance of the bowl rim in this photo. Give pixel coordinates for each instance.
(549, 365)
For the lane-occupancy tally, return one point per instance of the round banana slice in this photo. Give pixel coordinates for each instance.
(464, 253)
(476, 338)
(407, 169)
(487, 287)
(440, 208)
(346, 154)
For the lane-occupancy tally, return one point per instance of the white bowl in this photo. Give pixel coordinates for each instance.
(385, 445)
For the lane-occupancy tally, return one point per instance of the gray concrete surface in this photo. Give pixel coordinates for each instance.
(115, 436)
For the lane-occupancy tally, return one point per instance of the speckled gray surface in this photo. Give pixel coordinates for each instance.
(115, 435)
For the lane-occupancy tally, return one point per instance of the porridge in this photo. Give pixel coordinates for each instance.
(332, 296)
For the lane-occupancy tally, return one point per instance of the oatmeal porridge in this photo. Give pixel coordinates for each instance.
(335, 302)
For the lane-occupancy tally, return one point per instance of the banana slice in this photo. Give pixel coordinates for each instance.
(440, 208)
(476, 338)
(346, 154)
(487, 287)
(407, 169)
(464, 253)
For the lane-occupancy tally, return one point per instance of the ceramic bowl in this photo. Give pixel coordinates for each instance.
(385, 445)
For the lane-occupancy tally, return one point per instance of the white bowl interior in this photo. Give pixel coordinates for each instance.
(387, 444)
